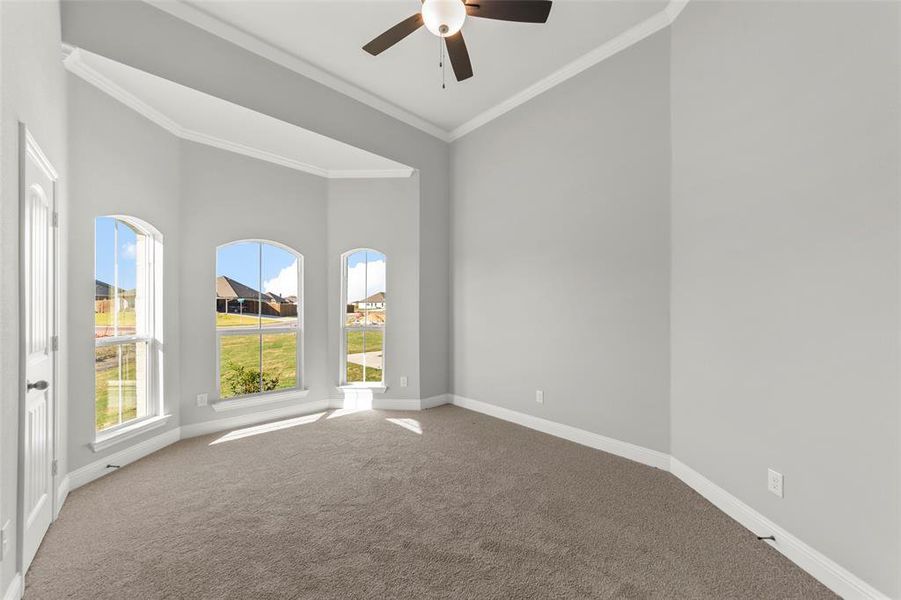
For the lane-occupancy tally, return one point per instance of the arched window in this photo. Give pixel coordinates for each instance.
(363, 307)
(259, 314)
(127, 321)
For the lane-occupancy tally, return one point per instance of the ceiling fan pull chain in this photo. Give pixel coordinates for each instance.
(441, 60)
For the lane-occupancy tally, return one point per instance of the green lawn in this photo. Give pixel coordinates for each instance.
(279, 359)
(233, 320)
(354, 346)
(105, 319)
(279, 352)
(106, 409)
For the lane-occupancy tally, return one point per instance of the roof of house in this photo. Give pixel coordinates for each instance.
(373, 299)
(102, 289)
(226, 287)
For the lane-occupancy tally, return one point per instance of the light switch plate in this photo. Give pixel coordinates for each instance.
(539, 396)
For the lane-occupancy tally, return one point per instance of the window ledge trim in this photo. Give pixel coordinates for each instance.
(259, 399)
(104, 440)
(375, 389)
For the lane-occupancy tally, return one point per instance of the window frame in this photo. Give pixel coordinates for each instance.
(374, 386)
(152, 240)
(299, 390)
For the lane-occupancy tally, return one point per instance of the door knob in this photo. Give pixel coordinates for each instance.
(37, 385)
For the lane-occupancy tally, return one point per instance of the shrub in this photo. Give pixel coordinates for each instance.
(241, 380)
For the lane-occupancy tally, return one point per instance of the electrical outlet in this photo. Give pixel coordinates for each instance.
(4, 540)
(774, 482)
(403, 382)
(539, 396)
(201, 399)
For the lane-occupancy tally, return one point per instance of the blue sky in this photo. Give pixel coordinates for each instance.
(106, 250)
(365, 274)
(241, 262)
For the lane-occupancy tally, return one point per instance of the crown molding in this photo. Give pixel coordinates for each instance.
(75, 64)
(250, 42)
(241, 38)
(619, 43)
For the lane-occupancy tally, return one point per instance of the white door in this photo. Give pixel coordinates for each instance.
(38, 295)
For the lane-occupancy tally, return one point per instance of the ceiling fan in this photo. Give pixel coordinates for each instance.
(445, 18)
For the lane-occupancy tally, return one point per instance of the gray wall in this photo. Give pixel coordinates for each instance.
(785, 285)
(382, 214)
(32, 90)
(120, 164)
(560, 238)
(227, 197)
(137, 34)
(201, 197)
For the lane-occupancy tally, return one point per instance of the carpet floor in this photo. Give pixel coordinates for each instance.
(444, 503)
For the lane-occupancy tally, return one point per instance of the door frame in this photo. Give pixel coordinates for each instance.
(29, 148)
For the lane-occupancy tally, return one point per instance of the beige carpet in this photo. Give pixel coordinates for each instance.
(359, 506)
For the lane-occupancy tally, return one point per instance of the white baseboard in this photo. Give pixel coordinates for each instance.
(254, 418)
(825, 570)
(653, 458)
(433, 401)
(14, 589)
(828, 572)
(389, 404)
(62, 492)
(98, 468)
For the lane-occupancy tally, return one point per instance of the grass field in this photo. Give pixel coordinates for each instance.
(354, 346)
(279, 358)
(232, 320)
(105, 319)
(107, 371)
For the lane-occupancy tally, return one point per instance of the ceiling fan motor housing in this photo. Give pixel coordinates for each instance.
(443, 17)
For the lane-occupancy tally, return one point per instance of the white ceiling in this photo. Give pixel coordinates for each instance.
(199, 117)
(507, 57)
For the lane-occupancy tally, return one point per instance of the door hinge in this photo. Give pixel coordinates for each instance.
(54, 343)
(54, 467)
(55, 219)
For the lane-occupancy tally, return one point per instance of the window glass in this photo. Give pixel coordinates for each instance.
(279, 287)
(365, 306)
(237, 285)
(123, 332)
(257, 288)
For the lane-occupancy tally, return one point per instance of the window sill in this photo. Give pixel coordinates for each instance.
(104, 440)
(375, 389)
(258, 399)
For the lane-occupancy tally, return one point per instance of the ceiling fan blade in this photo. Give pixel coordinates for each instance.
(394, 35)
(459, 56)
(523, 11)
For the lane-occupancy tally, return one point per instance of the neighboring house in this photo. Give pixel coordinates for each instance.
(102, 290)
(234, 297)
(103, 294)
(373, 302)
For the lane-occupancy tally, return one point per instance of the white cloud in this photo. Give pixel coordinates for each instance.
(129, 250)
(285, 283)
(357, 283)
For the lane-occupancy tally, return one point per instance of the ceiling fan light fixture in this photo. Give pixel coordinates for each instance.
(444, 18)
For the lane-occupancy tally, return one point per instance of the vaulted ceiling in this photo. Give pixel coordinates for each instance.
(507, 57)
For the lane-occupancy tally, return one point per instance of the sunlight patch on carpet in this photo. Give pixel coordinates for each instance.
(410, 424)
(237, 434)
